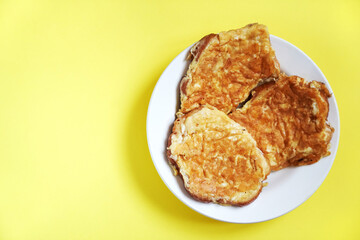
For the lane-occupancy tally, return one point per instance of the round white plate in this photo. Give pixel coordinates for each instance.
(287, 188)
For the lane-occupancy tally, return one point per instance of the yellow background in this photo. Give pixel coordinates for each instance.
(75, 82)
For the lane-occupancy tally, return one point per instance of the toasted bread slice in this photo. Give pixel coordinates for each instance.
(288, 120)
(217, 158)
(225, 67)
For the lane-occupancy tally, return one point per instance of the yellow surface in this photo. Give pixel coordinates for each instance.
(75, 82)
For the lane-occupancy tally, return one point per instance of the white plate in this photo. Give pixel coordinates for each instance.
(287, 188)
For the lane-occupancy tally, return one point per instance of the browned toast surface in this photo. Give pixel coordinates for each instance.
(288, 120)
(225, 67)
(217, 158)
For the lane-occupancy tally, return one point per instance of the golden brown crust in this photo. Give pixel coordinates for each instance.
(217, 159)
(200, 46)
(222, 201)
(225, 67)
(172, 163)
(288, 120)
